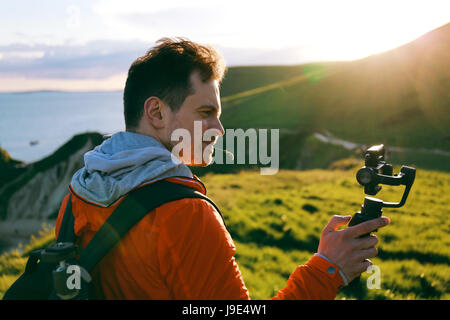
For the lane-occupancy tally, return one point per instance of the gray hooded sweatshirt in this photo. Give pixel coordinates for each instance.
(121, 163)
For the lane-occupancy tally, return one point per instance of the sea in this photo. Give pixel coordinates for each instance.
(35, 124)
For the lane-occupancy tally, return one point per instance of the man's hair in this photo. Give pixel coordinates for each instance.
(164, 72)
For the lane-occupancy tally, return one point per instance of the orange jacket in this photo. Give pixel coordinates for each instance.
(182, 250)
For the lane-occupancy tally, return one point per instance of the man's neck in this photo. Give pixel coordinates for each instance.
(149, 134)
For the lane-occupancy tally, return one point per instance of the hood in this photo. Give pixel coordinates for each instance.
(121, 163)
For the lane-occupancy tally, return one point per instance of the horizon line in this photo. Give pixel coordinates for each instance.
(231, 66)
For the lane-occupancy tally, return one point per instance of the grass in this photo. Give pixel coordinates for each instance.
(12, 263)
(245, 78)
(275, 222)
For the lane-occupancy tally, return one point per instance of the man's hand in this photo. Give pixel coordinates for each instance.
(344, 247)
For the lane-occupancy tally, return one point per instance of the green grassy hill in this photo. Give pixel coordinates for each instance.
(276, 222)
(8, 168)
(399, 98)
(241, 79)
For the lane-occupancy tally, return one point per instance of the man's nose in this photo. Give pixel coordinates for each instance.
(218, 126)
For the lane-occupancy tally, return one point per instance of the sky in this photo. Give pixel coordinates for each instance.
(89, 45)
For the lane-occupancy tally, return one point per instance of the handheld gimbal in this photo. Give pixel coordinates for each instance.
(376, 171)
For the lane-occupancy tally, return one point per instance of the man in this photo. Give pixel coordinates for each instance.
(182, 249)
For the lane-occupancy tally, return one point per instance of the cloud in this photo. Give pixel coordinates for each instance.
(106, 58)
(94, 60)
(18, 55)
(20, 83)
(194, 20)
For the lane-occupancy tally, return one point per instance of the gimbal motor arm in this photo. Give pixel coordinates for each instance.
(369, 178)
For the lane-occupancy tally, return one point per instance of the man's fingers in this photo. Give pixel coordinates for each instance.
(366, 242)
(365, 264)
(360, 267)
(335, 222)
(367, 253)
(367, 227)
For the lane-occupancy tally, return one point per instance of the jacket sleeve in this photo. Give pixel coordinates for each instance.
(196, 257)
(318, 279)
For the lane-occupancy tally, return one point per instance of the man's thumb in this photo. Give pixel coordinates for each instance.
(335, 222)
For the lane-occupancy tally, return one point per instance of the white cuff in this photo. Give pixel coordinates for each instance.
(340, 271)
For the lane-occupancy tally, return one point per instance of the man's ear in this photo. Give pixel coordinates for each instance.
(153, 112)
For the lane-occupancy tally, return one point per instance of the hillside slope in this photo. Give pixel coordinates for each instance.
(33, 192)
(399, 97)
(240, 79)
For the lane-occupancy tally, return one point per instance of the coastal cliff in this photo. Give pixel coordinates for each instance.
(31, 194)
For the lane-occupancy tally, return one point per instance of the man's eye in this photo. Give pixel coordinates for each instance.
(205, 113)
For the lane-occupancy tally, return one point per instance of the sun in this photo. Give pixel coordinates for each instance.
(351, 30)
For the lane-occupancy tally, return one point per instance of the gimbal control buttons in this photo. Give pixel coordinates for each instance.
(331, 270)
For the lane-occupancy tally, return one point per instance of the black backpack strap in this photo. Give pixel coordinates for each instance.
(130, 211)
(66, 230)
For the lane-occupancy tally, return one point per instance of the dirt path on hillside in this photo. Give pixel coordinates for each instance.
(328, 138)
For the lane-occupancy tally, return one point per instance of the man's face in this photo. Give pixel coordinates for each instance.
(199, 113)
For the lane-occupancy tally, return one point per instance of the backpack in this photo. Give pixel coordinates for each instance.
(55, 273)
